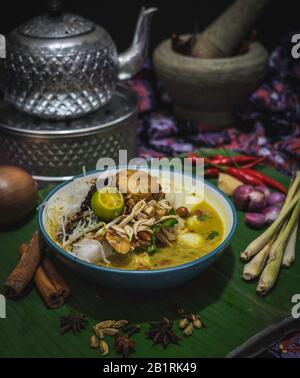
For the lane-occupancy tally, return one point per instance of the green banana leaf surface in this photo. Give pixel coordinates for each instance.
(229, 307)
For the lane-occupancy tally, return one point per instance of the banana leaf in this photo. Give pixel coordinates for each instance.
(228, 306)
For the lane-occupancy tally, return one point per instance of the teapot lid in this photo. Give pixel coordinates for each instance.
(56, 24)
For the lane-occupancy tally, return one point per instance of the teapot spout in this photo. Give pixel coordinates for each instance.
(131, 61)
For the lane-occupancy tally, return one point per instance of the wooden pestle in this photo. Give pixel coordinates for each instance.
(224, 35)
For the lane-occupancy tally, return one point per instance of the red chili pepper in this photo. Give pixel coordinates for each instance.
(245, 177)
(230, 160)
(254, 163)
(212, 172)
(238, 173)
(195, 157)
(265, 179)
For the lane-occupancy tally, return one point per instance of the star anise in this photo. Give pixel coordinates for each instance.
(162, 333)
(73, 322)
(124, 345)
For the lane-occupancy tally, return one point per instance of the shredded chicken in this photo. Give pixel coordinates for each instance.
(164, 204)
(129, 231)
(167, 217)
(144, 222)
(121, 231)
(141, 212)
(139, 206)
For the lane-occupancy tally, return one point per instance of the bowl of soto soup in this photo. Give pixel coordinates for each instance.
(137, 230)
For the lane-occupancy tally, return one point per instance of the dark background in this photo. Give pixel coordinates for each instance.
(119, 16)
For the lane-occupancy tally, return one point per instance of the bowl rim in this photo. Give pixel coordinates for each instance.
(100, 268)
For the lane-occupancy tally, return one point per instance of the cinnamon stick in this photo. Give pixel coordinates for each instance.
(44, 285)
(24, 271)
(60, 285)
(49, 283)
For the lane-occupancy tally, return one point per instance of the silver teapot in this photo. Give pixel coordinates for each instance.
(59, 65)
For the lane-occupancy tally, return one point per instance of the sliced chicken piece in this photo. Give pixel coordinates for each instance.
(120, 244)
(138, 185)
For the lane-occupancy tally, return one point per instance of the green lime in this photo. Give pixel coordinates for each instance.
(108, 203)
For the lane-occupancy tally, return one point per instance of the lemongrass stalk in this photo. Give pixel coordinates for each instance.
(292, 190)
(289, 254)
(258, 244)
(255, 266)
(270, 274)
(291, 193)
(277, 239)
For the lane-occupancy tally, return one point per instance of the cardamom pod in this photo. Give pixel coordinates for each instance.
(110, 331)
(188, 329)
(106, 324)
(99, 332)
(183, 323)
(120, 324)
(104, 347)
(197, 323)
(94, 342)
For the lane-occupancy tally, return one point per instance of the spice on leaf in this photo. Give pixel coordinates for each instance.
(73, 322)
(162, 332)
(189, 322)
(131, 329)
(104, 347)
(190, 316)
(124, 345)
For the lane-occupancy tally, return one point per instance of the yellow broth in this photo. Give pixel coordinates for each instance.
(178, 254)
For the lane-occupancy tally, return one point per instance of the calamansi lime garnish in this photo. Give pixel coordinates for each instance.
(107, 203)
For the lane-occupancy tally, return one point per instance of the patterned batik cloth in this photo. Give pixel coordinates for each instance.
(268, 123)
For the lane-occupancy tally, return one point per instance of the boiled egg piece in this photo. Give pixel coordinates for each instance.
(190, 239)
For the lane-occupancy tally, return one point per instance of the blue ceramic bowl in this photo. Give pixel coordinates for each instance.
(147, 279)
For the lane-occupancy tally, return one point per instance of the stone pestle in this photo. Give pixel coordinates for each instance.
(224, 35)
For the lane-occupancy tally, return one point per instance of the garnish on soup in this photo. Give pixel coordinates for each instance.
(131, 226)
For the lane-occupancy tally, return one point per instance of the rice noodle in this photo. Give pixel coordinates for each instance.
(81, 233)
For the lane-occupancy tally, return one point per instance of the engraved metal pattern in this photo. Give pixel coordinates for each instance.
(67, 67)
(68, 82)
(120, 107)
(57, 156)
(64, 25)
(63, 157)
